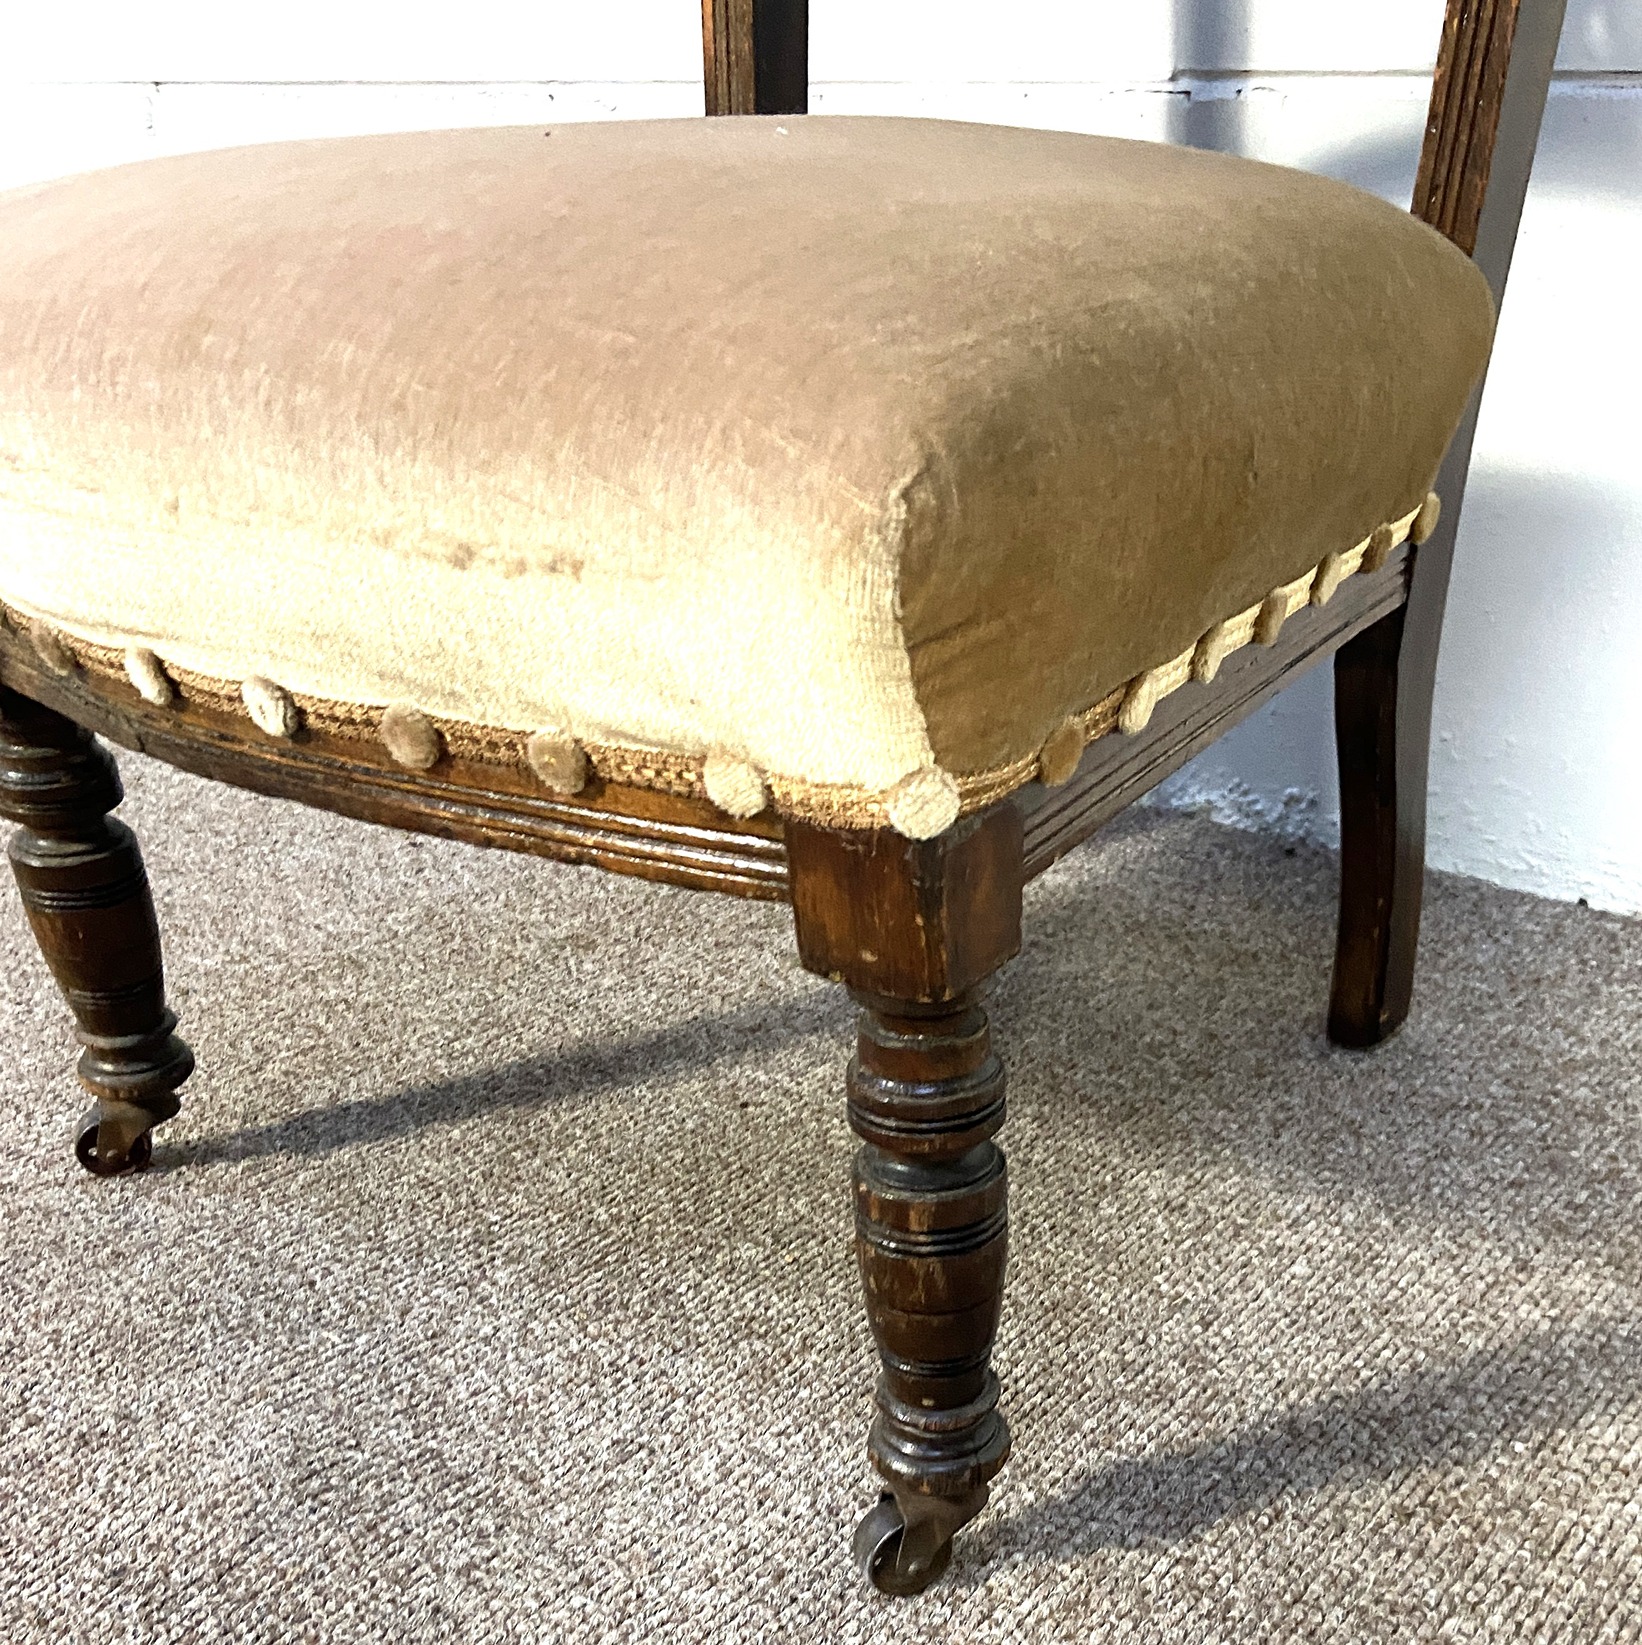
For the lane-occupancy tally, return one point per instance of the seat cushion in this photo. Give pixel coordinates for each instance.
(852, 460)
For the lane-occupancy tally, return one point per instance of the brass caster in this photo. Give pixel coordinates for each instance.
(901, 1554)
(879, 1541)
(113, 1139)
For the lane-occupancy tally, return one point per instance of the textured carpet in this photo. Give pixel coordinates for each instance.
(493, 1284)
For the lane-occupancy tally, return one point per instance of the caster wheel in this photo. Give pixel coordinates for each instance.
(878, 1552)
(100, 1164)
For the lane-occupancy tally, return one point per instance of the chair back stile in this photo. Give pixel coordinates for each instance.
(1487, 102)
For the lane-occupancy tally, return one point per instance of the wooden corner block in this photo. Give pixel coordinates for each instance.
(921, 921)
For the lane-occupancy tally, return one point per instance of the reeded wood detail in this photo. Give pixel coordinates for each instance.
(755, 56)
(636, 831)
(727, 55)
(80, 874)
(1467, 102)
(926, 1097)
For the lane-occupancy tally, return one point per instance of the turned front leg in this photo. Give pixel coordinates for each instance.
(915, 928)
(926, 1097)
(81, 878)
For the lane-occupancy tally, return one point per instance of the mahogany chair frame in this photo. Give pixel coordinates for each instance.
(913, 930)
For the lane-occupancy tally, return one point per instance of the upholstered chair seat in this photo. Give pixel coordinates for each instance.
(862, 468)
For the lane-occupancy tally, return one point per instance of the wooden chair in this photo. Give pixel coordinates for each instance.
(913, 920)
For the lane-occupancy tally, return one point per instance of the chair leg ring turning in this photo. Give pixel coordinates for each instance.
(926, 1097)
(80, 874)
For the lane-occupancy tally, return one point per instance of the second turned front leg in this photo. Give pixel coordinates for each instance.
(915, 928)
(926, 1097)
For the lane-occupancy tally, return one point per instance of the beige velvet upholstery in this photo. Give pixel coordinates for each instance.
(855, 455)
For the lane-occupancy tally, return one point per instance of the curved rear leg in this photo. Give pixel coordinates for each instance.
(1383, 683)
(82, 883)
(1494, 71)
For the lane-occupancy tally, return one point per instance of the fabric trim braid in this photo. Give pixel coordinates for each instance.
(1128, 708)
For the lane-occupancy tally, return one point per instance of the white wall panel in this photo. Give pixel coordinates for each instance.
(979, 40)
(1288, 36)
(309, 40)
(46, 131)
(1348, 36)
(1602, 35)
(1099, 40)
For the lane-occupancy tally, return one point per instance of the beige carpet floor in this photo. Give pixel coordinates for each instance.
(494, 1283)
